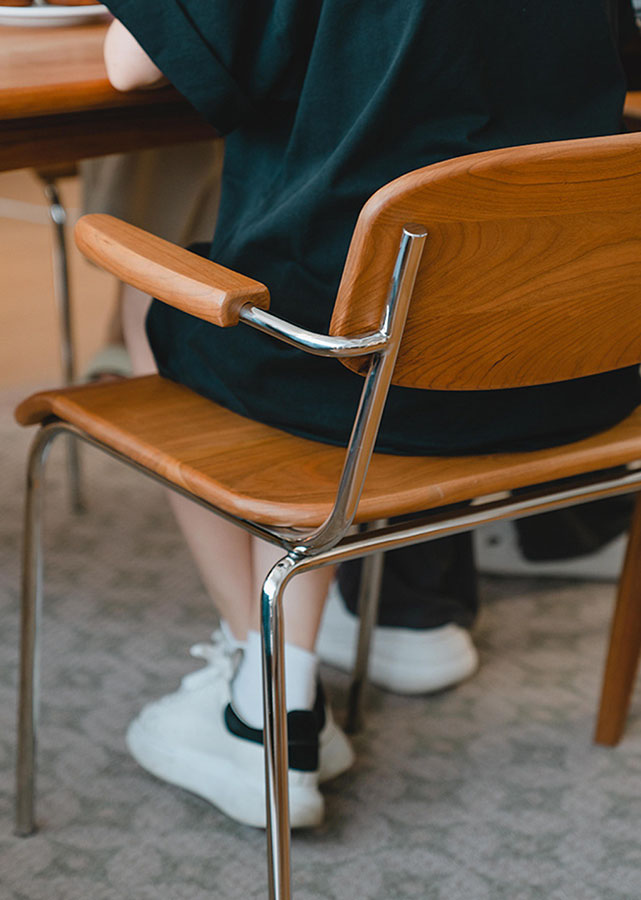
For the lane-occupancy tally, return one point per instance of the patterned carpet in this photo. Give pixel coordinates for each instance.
(492, 791)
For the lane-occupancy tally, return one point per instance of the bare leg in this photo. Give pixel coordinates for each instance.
(235, 587)
(232, 565)
(302, 606)
(221, 551)
(303, 600)
(222, 554)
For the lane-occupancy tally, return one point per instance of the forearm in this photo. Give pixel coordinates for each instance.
(128, 66)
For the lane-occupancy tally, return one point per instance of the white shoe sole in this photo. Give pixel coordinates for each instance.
(335, 753)
(231, 787)
(498, 553)
(403, 660)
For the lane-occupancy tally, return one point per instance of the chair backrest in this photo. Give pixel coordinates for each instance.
(531, 271)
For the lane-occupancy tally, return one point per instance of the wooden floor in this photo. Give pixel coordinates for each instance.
(29, 348)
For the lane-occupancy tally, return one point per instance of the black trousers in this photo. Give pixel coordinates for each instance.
(432, 584)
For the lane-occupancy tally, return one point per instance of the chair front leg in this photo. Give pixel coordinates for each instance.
(275, 719)
(625, 643)
(30, 634)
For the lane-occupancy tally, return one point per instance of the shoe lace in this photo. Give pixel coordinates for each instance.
(221, 658)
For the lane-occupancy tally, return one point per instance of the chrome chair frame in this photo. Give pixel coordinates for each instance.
(326, 545)
(62, 294)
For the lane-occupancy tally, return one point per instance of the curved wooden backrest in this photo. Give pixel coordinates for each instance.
(531, 272)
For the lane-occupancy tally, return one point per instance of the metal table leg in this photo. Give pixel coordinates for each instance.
(62, 293)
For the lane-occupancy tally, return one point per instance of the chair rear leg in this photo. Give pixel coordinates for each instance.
(275, 719)
(369, 592)
(625, 643)
(30, 635)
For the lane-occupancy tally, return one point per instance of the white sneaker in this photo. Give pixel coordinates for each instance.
(192, 738)
(497, 552)
(405, 660)
(335, 753)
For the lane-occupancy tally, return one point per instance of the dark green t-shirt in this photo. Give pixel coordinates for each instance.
(324, 101)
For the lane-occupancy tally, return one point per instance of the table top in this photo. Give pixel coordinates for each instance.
(48, 70)
(56, 103)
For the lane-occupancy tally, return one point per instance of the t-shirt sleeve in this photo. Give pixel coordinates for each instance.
(227, 57)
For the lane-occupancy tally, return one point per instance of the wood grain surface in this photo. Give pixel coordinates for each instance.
(182, 279)
(274, 478)
(625, 643)
(632, 108)
(532, 267)
(56, 104)
(49, 70)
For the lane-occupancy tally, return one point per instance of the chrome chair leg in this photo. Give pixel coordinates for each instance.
(28, 705)
(275, 718)
(62, 293)
(369, 591)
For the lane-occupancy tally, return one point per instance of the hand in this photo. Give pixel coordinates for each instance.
(129, 68)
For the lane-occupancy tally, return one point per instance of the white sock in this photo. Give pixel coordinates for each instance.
(229, 636)
(301, 669)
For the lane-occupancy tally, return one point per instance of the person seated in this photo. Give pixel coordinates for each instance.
(322, 103)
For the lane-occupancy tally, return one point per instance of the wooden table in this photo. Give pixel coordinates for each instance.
(56, 104)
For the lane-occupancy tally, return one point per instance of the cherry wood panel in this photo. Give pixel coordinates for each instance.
(260, 473)
(182, 279)
(625, 643)
(531, 272)
(56, 104)
(49, 70)
(632, 108)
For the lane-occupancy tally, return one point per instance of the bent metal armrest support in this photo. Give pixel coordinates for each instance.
(201, 287)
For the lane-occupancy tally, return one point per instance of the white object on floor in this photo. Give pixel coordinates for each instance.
(497, 552)
(182, 739)
(335, 753)
(404, 660)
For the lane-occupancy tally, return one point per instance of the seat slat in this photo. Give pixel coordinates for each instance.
(255, 471)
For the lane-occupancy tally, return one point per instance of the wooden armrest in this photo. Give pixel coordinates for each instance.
(182, 279)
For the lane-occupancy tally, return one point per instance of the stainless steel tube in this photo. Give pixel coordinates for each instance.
(369, 591)
(275, 731)
(62, 292)
(373, 396)
(28, 700)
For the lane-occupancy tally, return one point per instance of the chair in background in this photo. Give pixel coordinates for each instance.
(49, 178)
(525, 268)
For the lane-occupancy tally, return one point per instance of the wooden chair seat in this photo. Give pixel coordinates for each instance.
(256, 472)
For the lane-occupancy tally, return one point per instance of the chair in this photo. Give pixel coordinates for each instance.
(525, 268)
(48, 178)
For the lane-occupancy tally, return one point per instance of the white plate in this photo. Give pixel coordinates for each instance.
(51, 16)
